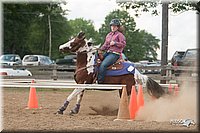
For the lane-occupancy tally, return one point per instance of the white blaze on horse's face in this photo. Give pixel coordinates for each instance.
(66, 45)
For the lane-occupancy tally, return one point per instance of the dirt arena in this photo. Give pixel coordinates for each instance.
(98, 110)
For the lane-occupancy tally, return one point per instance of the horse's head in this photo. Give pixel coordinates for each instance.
(74, 44)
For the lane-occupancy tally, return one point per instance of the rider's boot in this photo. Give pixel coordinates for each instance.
(75, 110)
(60, 111)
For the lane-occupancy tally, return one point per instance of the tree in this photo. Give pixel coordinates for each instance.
(26, 28)
(86, 26)
(151, 6)
(150, 44)
(140, 44)
(16, 23)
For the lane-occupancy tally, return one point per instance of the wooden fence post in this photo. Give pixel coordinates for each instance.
(55, 76)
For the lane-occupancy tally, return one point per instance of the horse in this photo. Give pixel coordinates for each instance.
(85, 73)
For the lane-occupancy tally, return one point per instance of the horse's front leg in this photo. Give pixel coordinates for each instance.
(76, 109)
(69, 98)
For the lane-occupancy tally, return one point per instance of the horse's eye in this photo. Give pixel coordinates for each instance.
(89, 43)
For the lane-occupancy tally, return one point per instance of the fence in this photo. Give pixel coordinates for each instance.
(69, 85)
(59, 84)
(66, 72)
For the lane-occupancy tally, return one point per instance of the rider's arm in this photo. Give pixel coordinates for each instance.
(122, 42)
(106, 45)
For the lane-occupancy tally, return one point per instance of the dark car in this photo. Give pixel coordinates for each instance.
(68, 63)
(177, 57)
(67, 60)
(189, 59)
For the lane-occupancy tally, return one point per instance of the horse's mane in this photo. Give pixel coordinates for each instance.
(91, 45)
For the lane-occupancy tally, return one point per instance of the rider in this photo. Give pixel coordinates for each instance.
(114, 45)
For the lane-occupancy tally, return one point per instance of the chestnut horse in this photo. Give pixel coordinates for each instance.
(85, 73)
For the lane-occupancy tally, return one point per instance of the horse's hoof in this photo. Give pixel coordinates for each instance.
(72, 112)
(75, 110)
(59, 112)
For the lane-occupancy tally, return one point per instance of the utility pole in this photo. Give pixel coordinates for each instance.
(164, 47)
(49, 23)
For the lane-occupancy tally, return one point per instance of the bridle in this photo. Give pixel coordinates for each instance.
(84, 51)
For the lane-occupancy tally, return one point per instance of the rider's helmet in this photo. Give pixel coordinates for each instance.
(115, 22)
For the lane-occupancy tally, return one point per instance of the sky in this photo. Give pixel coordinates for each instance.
(182, 27)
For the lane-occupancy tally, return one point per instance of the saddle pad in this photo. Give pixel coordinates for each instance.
(127, 69)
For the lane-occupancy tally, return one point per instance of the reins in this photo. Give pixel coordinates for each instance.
(83, 68)
(89, 50)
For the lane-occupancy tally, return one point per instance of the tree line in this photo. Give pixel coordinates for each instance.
(26, 31)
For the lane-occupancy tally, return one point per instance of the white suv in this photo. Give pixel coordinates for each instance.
(36, 60)
(10, 59)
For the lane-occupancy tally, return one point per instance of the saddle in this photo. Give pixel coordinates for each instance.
(116, 66)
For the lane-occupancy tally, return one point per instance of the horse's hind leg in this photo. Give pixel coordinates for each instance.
(75, 110)
(69, 98)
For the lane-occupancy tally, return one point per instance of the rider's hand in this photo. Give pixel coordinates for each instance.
(100, 51)
(101, 57)
(112, 43)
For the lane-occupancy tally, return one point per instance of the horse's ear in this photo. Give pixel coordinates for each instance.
(82, 38)
(81, 35)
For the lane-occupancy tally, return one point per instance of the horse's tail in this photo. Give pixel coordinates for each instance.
(153, 88)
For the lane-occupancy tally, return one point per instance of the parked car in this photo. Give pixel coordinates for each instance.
(36, 60)
(14, 72)
(68, 63)
(189, 59)
(10, 59)
(67, 60)
(175, 61)
(177, 57)
(143, 63)
(146, 63)
(153, 71)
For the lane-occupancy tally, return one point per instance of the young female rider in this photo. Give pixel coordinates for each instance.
(113, 46)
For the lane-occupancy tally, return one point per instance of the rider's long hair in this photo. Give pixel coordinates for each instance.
(121, 29)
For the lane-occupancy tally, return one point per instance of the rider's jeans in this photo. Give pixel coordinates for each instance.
(109, 59)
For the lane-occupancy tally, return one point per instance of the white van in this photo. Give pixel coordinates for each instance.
(36, 60)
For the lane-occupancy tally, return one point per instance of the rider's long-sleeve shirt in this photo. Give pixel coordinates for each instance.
(119, 40)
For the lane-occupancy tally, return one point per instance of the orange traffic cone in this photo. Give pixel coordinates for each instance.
(33, 102)
(140, 98)
(123, 112)
(176, 90)
(133, 103)
(170, 89)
